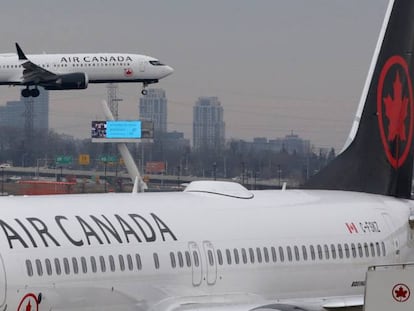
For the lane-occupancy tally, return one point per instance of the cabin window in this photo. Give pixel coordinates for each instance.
(244, 255)
(366, 249)
(29, 267)
(320, 252)
(312, 252)
(384, 253)
(93, 264)
(196, 259)
(289, 253)
(172, 257)
(304, 253)
(102, 262)
(333, 251)
(219, 257)
(121, 262)
(66, 265)
(75, 265)
(266, 254)
(353, 249)
(281, 254)
(378, 248)
(180, 259)
(188, 258)
(251, 253)
(228, 256)
(57, 266)
(84, 265)
(156, 261)
(138, 261)
(112, 263)
(340, 251)
(274, 257)
(210, 257)
(48, 267)
(372, 249)
(130, 263)
(236, 256)
(326, 248)
(259, 254)
(360, 250)
(296, 249)
(346, 247)
(39, 267)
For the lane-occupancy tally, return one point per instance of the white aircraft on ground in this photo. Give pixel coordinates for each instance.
(76, 71)
(217, 246)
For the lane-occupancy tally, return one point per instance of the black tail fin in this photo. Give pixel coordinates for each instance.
(20, 53)
(379, 159)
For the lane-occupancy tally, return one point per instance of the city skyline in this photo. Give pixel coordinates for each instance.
(276, 66)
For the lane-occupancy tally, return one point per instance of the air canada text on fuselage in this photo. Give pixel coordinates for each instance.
(84, 230)
(95, 59)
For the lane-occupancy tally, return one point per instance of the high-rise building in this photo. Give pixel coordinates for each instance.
(15, 113)
(208, 124)
(153, 107)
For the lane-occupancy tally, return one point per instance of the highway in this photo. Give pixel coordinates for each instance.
(36, 172)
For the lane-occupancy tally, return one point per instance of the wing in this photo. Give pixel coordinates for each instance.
(32, 73)
(307, 304)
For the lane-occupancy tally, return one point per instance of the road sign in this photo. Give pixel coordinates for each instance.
(108, 159)
(61, 160)
(84, 159)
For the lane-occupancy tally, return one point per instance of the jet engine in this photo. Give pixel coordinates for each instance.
(70, 81)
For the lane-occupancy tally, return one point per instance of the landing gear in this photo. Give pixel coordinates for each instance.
(25, 93)
(30, 92)
(144, 90)
(35, 92)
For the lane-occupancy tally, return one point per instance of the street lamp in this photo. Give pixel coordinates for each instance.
(214, 170)
(2, 181)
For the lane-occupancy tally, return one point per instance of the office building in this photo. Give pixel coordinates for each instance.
(208, 124)
(15, 114)
(153, 107)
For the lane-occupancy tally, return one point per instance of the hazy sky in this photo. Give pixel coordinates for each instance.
(276, 65)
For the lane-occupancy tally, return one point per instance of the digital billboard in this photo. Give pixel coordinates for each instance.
(121, 131)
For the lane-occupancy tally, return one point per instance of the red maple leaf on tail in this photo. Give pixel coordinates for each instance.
(396, 111)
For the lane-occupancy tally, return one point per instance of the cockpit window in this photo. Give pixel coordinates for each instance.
(156, 63)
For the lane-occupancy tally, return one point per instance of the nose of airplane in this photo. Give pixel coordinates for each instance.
(168, 70)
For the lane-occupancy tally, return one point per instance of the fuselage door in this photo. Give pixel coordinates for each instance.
(142, 66)
(395, 242)
(211, 262)
(196, 263)
(3, 283)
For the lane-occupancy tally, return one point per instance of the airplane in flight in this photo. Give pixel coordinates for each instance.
(217, 246)
(76, 71)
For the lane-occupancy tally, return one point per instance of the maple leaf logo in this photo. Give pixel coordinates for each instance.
(29, 306)
(128, 72)
(396, 111)
(401, 292)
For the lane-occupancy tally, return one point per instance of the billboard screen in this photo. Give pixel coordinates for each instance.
(121, 131)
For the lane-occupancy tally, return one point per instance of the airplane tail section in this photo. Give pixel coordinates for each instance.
(20, 52)
(379, 156)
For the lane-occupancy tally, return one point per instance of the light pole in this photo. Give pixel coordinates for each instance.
(279, 171)
(2, 181)
(214, 170)
(105, 176)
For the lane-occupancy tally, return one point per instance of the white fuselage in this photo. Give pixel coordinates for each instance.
(196, 248)
(99, 67)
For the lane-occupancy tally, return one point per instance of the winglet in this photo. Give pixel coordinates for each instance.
(20, 52)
